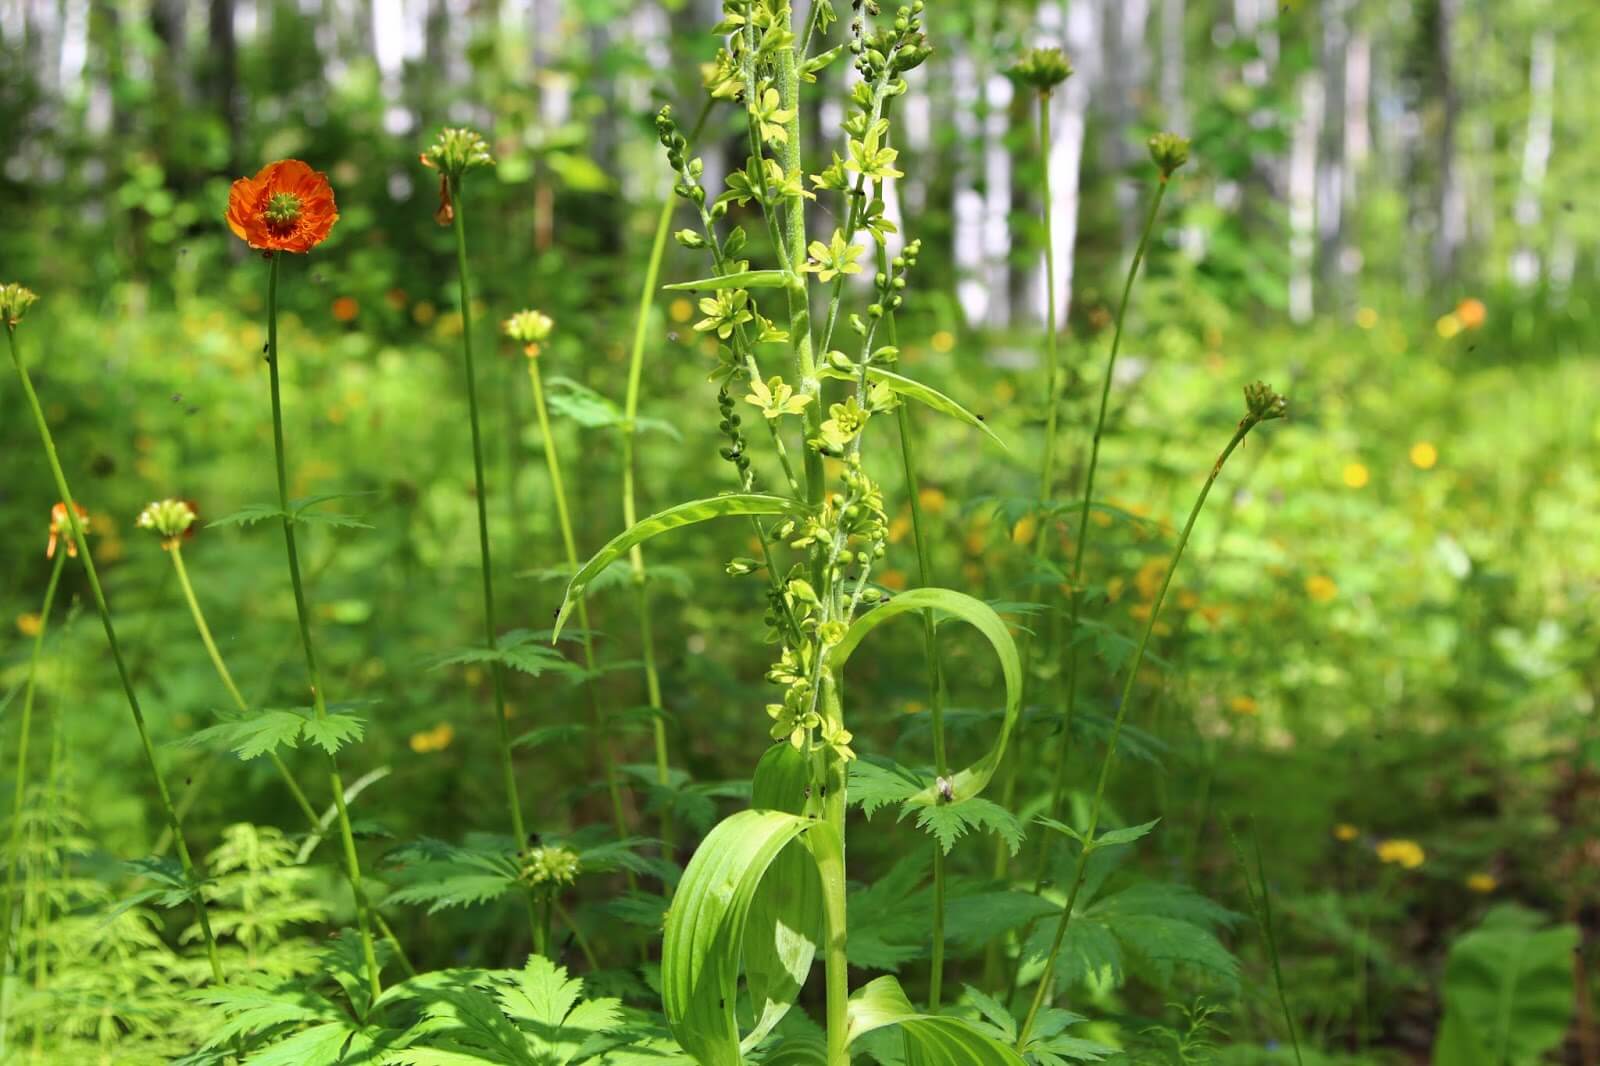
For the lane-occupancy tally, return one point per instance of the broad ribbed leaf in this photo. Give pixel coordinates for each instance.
(703, 944)
(1508, 995)
(684, 514)
(927, 395)
(931, 1039)
(971, 781)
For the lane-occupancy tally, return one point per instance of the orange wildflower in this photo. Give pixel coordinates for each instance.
(1471, 313)
(345, 308)
(60, 527)
(286, 207)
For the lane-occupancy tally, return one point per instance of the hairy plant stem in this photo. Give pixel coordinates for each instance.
(47, 441)
(827, 846)
(284, 773)
(1047, 978)
(303, 617)
(485, 565)
(24, 730)
(599, 722)
(794, 245)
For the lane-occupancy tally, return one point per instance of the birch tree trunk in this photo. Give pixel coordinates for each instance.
(1452, 213)
(1173, 104)
(1526, 264)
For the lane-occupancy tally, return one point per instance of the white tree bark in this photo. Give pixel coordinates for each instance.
(1302, 198)
(1173, 104)
(1526, 265)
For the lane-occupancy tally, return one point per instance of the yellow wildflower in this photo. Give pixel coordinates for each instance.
(1482, 883)
(1321, 588)
(1244, 705)
(1366, 318)
(1404, 853)
(1345, 832)
(428, 741)
(1448, 325)
(29, 624)
(1023, 531)
(1356, 475)
(1424, 455)
(943, 341)
(931, 499)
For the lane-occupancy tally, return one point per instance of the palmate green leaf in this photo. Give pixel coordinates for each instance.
(927, 395)
(333, 732)
(704, 942)
(749, 503)
(590, 409)
(516, 649)
(745, 279)
(930, 1039)
(251, 736)
(535, 1016)
(1508, 992)
(949, 822)
(888, 919)
(971, 781)
(1111, 837)
(299, 512)
(247, 1010)
(443, 875)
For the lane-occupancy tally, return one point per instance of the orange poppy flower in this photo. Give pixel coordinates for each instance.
(286, 207)
(60, 527)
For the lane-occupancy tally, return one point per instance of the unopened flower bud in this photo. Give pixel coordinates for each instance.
(169, 518)
(14, 302)
(1169, 151)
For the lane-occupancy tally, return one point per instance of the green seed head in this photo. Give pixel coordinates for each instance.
(1169, 152)
(456, 151)
(1262, 404)
(14, 302)
(169, 518)
(1041, 69)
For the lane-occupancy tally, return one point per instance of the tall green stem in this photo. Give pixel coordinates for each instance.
(630, 513)
(284, 773)
(827, 844)
(1047, 979)
(47, 440)
(303, 616)
(490, 630)
(1058, 792)
(599, 722)
(24, 731)
(794, 244)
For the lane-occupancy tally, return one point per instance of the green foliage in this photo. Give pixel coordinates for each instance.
(251, 735)
(1508, 994)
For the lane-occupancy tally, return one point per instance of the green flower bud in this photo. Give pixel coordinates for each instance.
(1041, 69)
(1262, 404)
(552, 866)
(456, 151)
(170, 518)
(1169, 152)
(529, 328)
(14, 302)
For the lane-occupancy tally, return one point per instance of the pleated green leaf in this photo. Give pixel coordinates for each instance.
(745, 279)
(931, 1039)
(971, 781)
(684, 514)
(704, 941)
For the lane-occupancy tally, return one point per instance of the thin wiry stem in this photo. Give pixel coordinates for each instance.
(284, 773)
(25, 728)
(486, 567)
(1047, 978)
(47, 441)
(303, 617)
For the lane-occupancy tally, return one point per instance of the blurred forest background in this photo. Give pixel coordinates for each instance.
(1389, 633)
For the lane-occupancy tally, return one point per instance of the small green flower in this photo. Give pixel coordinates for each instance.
(1169, 152)
(529, 328)
(776, 397)
(771, 116)
(15, 300)
(836, 257)
(552, 866)
(170, 518)
(456, 151)
(869, 160)
(1262, 404)
(722, 78)
(847, 419)
(725, 312)
(1041, 69)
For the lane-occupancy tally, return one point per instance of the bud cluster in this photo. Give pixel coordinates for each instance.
(1041, 69)
(15, 300)
(169, 518)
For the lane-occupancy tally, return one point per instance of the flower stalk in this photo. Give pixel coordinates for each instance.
(1262, 404)
(76, 528)
(303, 617)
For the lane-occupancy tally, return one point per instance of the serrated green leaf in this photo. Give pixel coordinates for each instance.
(949, 822)
(333, 732)
(672, 518)
(251, 736)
